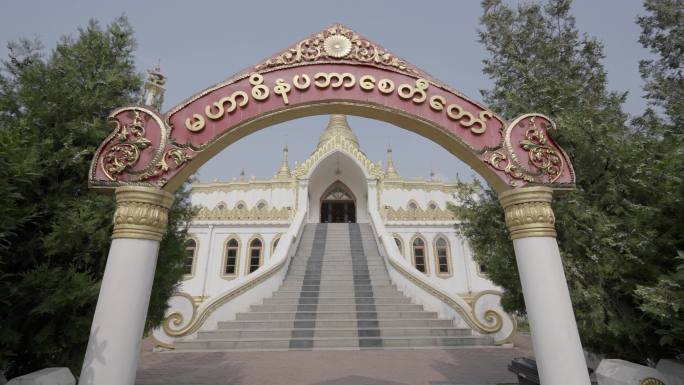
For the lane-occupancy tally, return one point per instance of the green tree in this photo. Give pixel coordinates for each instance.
(540, 62)
(55, 232)
(663, 34)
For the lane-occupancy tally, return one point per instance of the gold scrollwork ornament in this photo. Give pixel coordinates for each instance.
(651, 381)
(125, 154)
(541, 154)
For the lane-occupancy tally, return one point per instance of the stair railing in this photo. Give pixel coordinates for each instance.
(482, 313)
(186, 317)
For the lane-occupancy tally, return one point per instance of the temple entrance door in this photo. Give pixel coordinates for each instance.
(338, 212)
(338, 204)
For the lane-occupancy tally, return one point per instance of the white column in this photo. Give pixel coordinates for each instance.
(116, 332)
(556, 342)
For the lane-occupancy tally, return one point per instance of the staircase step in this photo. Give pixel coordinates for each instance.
(325, 315)
(334, 332)
(333, 342)
(348, 323)
(337, 294)
(335, 307)
(398, 299)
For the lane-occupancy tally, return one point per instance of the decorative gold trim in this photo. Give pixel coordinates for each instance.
(435, 255)
(194, 257)
(235, 214)
(651, 381)
(407, 184)
(425, 251)
(158, 344)
(337, 142)
(340, 44)
(248, 254)
(225, 257)
(492, 316)
(549, 161)
(141, 212)
(242, 186)
(419, 214)
(176, 318)
(529, 212)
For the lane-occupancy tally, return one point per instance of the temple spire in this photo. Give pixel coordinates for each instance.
(391, 172)
(338, 126)
(284, 172)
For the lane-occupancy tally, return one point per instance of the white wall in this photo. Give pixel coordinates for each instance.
(464, 277)
(397, 198)
(275, 197)
(208, 278)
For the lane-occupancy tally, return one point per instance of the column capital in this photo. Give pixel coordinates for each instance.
(528, 212)
(141, 212)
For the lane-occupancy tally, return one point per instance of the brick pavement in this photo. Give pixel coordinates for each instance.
(368, 367)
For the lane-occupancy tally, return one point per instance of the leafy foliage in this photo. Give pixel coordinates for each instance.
(663, 34)
(610, 229)
(55, 232)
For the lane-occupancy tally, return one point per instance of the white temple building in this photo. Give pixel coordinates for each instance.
(235, 235)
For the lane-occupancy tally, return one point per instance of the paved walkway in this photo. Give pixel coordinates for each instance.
(368, 367)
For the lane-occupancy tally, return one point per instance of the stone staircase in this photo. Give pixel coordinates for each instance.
(336, 295)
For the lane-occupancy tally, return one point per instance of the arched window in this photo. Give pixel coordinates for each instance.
(232, 255)
(400, 244)
(419, 258)
(255, 254)
(442, 256)
(189, 260)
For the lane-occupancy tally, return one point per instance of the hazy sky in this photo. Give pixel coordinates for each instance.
(200, 43)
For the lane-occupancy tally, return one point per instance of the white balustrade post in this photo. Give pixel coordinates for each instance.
(556, 342)
(116, 332)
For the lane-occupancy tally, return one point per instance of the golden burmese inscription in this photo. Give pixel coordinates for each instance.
(417, 93)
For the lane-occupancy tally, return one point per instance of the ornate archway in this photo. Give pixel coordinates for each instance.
(336, 71)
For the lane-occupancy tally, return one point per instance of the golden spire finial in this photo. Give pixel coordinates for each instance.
(284, 172)
(338, 126)
(391, 172)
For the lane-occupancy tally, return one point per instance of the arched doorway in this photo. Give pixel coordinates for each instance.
(150, 154)
(338, 204)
